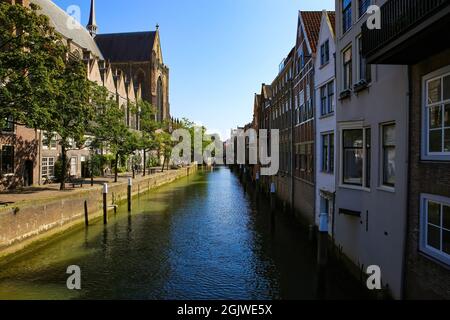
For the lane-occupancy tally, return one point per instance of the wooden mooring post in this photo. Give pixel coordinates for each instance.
(130, 185)
(105, 204)
(86, 213)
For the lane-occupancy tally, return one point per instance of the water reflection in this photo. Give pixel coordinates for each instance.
(199, 238)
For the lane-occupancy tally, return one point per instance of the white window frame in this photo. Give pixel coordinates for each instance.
(349, 47)
(47, 166)
(381, 156)
(359, 60)
(426, 155)
(423, 245)
(330, 154)
(354, 126)
(49, 146)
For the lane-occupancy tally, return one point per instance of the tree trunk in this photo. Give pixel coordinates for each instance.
(145, 163)
(63, 167)
(116, 170)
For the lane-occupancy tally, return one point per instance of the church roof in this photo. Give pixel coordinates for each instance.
(124, 47)
(59, 20)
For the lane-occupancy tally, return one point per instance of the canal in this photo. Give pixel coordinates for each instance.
(201, 237)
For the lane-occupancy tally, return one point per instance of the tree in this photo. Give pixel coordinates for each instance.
(74, 112)
(32, 58)
(149, 127)
(110, 130)
(165, 144)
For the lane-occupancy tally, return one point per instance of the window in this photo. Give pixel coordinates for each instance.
(363, 6)
(73, 166)
(323, 100)
(7, 160)
(389, 155)
(368, 153)
(328, 153)
(8, 125)
(325, 53)
(347, 57)
(48, 167)
(49, 141)
(437, 107)
(346, 15)
(364, 70)
(356, 157)
(435, 227)
(300, 62)
(303, 157)
(330, 103)
(327, 98)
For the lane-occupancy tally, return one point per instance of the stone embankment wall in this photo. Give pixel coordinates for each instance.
(33, 221)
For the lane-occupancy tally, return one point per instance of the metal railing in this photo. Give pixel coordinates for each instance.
(398, 17)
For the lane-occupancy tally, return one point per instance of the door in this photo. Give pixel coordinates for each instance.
(73, 166)
(28, 173)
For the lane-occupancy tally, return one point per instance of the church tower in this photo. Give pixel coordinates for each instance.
(92, 25)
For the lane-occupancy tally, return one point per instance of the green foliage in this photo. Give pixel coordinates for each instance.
(152, 162)
(59, 170)
(32, 59)
(97, 163)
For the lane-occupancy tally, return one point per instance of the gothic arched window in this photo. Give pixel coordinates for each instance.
(160, 100)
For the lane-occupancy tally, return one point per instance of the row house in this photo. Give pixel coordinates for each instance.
(414, 38)
(288, 105)
(370, 137)
(372, 144)
(325, 108)
(281, 119)
(304, 144)
(264, 122)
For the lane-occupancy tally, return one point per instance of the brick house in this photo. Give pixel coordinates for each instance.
(415, 34)
(304, 114)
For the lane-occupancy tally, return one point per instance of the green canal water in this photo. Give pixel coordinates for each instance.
(201, 237)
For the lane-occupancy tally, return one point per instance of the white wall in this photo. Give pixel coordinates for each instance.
(324, 124)
(377, 237)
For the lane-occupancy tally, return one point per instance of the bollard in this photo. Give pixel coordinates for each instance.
(105, 204)
(86, 214)
(130, 184)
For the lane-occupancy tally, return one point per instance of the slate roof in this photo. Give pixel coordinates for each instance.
(311, 21)
(59, 20)
(124, 47)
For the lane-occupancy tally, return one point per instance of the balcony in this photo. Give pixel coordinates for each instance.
(411, 30)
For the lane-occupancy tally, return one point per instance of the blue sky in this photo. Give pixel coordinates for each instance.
(218, 51)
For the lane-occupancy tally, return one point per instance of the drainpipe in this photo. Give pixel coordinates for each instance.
(292, 146)
(408, 182)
